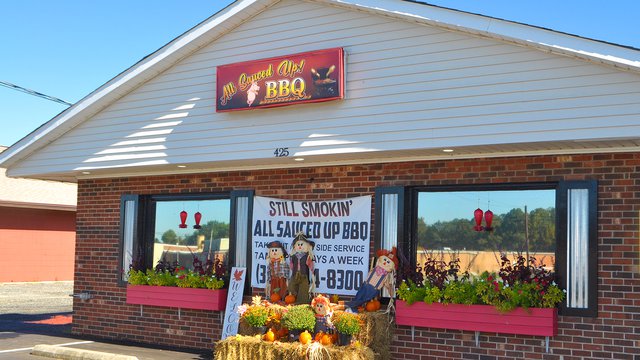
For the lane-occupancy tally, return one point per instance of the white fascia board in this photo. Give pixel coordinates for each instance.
(626, 58)
(126, 81)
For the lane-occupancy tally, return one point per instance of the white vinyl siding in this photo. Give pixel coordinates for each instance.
(409, 86)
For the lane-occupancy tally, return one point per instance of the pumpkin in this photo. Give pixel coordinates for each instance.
(269, 336)
(318, 336)
(373, 305)
(275, 297)
(370, 306)
(290, 299)
(305, 338)
(326, 340)
(377, 303)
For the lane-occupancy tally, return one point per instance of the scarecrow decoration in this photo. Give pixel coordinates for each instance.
(322, 307)
(277, 271)
(382, 275)
(302, 281)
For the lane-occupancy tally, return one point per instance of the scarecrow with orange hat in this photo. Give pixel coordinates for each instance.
(382, 275)
(277, 269)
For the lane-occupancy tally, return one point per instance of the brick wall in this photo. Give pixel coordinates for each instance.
(613, 335)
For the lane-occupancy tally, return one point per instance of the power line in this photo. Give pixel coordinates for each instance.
(34, 93)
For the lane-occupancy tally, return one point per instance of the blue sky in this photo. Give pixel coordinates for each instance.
(68, 48)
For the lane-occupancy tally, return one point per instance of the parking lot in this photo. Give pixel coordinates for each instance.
(41, 313)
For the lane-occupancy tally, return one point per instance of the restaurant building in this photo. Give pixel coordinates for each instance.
(400, 101)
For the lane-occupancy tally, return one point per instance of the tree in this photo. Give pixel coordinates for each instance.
(169, 237)
(212, 230)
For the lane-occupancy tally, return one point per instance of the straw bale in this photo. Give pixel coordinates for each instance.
(253, 348)
(376, 333)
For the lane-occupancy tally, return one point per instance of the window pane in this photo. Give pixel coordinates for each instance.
(578, 248)
(242, 236)
(173, 243)
(128, 237)
(389, 226)
(447, 227)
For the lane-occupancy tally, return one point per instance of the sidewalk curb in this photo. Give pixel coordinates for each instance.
(57, 352)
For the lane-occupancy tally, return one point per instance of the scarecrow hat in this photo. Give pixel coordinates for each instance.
(300, 236)
(278, 245)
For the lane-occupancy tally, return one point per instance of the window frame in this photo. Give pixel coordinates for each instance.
(144, 227)
(408, 250)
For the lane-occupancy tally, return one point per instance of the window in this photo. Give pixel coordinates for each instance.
(510, 222)
(177, 242)
(554, 222)
(177, 228)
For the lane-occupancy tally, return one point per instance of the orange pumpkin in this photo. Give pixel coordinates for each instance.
(269, 336)
(290, 299)
(318, 336)
(378, 304)
(326, 340)
(305, 338)
(275, 297)
(370, 306)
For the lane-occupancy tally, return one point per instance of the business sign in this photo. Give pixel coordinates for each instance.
(339, 228)
(300, 78)
(234, 299)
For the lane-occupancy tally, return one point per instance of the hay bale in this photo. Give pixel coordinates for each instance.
(376, 333)
(252, 348)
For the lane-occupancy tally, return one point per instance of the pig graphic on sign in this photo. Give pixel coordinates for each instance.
(252, 92)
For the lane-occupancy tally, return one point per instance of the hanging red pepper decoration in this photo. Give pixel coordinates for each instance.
(183, 219)
(197, 216)
(488, 218)
(478, 217)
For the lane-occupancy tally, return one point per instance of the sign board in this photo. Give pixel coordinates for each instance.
(234, 299)
(300, 78)
(339, 228)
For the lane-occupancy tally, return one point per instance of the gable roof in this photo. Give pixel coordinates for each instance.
(620, 57)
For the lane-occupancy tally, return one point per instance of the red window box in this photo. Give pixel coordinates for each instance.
(484, 318)
(171, 296)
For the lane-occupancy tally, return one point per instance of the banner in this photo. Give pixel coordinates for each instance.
(299, 78)
(339, 228)
(234, 299)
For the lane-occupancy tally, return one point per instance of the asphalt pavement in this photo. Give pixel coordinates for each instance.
(41, 313)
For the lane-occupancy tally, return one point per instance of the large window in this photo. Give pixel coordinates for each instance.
(184, 227)
(554, 222)
(174, 241)
(477, 226)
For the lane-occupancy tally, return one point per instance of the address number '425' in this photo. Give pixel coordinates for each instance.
(281, 152)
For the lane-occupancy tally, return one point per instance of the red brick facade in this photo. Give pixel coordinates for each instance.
(613, 335)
